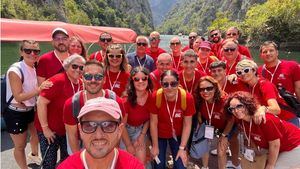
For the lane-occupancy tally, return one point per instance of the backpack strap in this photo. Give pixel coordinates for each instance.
(76, 104)
(111, 94)
(183, 98)
(158, 97)
(22, 79)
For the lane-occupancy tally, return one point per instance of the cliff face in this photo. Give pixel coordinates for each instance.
(197, 15)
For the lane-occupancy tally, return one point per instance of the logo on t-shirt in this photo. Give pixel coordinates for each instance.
(178, 113)
(257, 137)
(117, 85)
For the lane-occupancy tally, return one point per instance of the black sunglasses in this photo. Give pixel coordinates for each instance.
(167, 84)
(244, 71)
(206, 89)
(175, 43)
(229, 49)
(192, 37)
(89, 77)
(153, 39)
(106, 126)
(237, 107)
(141, 44)
(136, 79)
(114, 56)
(214, 35)
(232, 34)
(29, 51)
(105, 39)
(74, 66)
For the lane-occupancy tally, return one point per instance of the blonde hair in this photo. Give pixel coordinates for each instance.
(247, 63)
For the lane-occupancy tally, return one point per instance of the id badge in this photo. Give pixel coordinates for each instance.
(209, 132)
(174, 134)
(249, 154)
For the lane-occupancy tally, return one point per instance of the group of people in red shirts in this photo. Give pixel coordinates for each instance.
(151, 99)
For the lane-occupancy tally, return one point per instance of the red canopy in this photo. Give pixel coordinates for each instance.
(17, 30)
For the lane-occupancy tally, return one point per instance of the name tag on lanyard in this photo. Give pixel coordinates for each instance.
(209, 132)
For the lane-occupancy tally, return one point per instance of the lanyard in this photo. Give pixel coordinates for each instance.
(140, 62)
(272, 74)
(73, 88)
(227, 73)
(190, 91)
(110, 84)
(210, 112)
(204, 69)
(58, 58)
(253, 89)
(224, 86)
(168, 108)
(248, 138)
(113, 164)
(174, 63)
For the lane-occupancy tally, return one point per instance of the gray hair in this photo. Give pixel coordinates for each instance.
(69, 60)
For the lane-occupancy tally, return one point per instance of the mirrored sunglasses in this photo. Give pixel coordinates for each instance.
(97, 77)
(106, 126)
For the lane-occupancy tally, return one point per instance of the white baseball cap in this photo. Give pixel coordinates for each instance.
(59, 30)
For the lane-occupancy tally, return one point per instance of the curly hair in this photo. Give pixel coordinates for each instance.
(132, 98)
(124, 63)
(245, 98)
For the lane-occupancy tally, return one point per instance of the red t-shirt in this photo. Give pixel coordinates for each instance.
(204, 67)
(68, 117)
(97, 56)
(164, 123)
(190, 85)
(218, 118)
(49, 65)
(155, 77)
(116, 82)
(234, 86)
(125, 161)
(273, 129)
(286, 74)
(154, 55)
(231, 68)
(243, 50)
(187, 47)
(176, 63)
(138, 115)
(265, 90)
(57, 94)
(215, 48)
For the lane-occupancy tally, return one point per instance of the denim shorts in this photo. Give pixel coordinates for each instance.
(133, 133)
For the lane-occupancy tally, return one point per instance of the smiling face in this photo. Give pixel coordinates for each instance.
(230, 51)
(175, 45)
(196, 44)
(60, 42)
(32, 57)
(170, 91)
(207, 90)
(104, 41)
(99, 144)
(75, 73)
(232, 33)
(215, 36)
(269, 54)
(239, 111)
(140, 81)
(247, 74)
(189, 64)
(93, 86)
(75, 47)
(218, 73)
(141, 45)
(115, 57)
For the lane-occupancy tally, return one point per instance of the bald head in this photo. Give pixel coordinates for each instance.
(164, 62)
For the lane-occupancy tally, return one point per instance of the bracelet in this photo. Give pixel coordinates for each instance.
(181, 148)
(44, 126)
(224, 135)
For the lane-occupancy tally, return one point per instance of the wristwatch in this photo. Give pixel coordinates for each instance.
(181, 148)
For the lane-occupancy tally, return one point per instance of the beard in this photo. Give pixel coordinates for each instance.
(61, 48)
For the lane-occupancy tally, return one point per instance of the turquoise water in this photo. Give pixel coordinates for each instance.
(10, 51)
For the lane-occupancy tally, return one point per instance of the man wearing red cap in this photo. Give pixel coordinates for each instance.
(100, 129)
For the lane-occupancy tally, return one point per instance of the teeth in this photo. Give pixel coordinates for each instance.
(99, 142)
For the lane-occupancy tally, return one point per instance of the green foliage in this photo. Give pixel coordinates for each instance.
(74, 14)
(222, 22)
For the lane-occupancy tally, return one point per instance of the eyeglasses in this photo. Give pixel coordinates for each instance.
(105, 39)
(167, 84)
(237, 107)
(141, 44)
(219, 70)
(192, 37)
(206, 89)
(231, 34)
(90, 127)
(115, 56)
(175, 43)
(74, 66)
(229, 49)
(187, 62)
(136, 79)
(244, 71)
(57, 39)
(213, 35)
(89, 77)
(29, 51)
(153, 39)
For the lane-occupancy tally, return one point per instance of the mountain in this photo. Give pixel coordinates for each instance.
(134, 14)
(160, 8)
(197, 15)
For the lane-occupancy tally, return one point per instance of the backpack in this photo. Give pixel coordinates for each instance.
(76, 103)
(4, 104)
(159, 98)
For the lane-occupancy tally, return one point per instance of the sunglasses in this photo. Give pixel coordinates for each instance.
(231, 34)
(115, 56)
(206, 89)
(105, 39)
(192, 37)
(29, 51)
(74, 66)
(229, 49)
(237, 107)
(141, 44)
(90, 77)
(167, 84)
(90, 127)
(57, 39)
(136, 79)
(217, 70)
(244, 71)
(213, 35)
(153, 39)
(175, 43)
